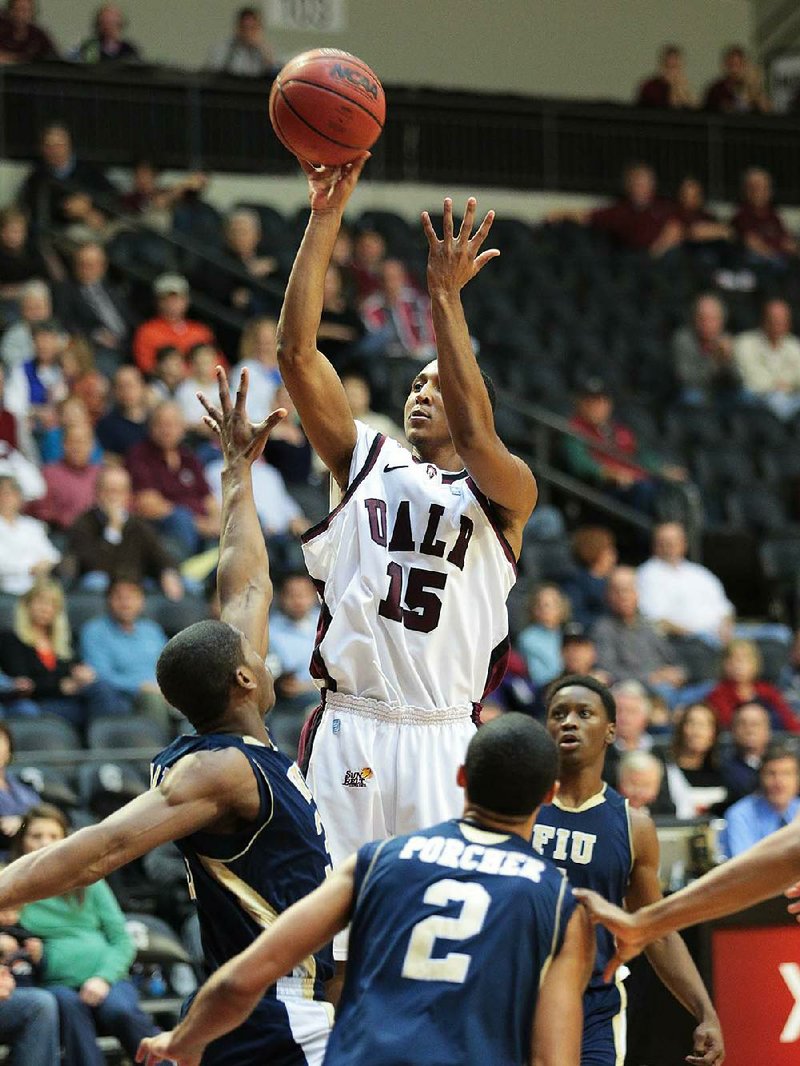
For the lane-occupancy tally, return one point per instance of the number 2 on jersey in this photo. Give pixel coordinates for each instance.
(419, 964)
(423, 607)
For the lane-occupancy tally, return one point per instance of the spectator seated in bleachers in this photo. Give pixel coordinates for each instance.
(22, 40)
(29, 1022)
(341, 327)
(88, 953)
(751, 733)
(595, 553)
(292, 633)
(109, 540)
(700, 225)
(91, 305)
(579, 653)
(366, 261)
(682, 598)
(13, 438)
(151, 200)
(740, 684)
(35, 305)
(540, 642)
(696, 784)
(397, 318)
(247, 53)
(768, 360)
(240, 252)
(169, 373)
(640, 779)
(71, 482)
(107, 43)
(669, 87)
(288, 449)
(634, 707)
(359, 397)
(35, 388)
(83, 381)
(630, 647)
(170, 488)
(740, 88)
(702, 356)
(40, 649)
(71, 413)
(772, 807)
(126, 422)
(281, 517)
(628, 478)
(758, 225)
(123, 648)
(16, 798)
(20, 261)
(25, 550)
(203, 361)
(258, 351)
(170, 326)
(59, 189)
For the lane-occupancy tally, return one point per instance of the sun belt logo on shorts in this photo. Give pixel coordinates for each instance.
(357, 778)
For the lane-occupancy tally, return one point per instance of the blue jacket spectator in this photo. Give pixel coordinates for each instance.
(596, 555)
(540, 642)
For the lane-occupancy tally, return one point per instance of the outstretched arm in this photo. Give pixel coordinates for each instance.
(201, 789)
(312, 382)
(243, 581)
(452, 262)
(231, 995)
(670, 957)
(558, 1022)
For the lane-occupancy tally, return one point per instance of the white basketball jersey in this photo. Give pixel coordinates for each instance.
(414, 572)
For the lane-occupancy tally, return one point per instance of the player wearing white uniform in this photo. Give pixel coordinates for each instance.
(415, 564)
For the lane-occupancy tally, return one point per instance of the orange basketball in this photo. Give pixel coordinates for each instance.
(326, 106)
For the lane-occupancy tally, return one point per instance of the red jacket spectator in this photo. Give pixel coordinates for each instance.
(170, 328)
(726, 697)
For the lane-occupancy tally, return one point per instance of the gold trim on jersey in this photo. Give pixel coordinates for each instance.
(556, 930)
(593, 801)
(619, 1023)
(630, 835)
(262, 914)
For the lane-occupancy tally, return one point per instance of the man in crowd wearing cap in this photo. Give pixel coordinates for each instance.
(170, 326)
(628, 473)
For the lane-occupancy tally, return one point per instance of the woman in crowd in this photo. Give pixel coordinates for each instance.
(695, 782)
(87, 954)
(740, 683)
(25, 549)
(540, 642)
(72, 412)
(40, 650)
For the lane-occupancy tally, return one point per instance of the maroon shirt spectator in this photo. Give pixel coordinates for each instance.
(739, 88)
(21, 40)
(741, 684)
(757, 224)
(639, 220)
(669, 87)
(71, 483)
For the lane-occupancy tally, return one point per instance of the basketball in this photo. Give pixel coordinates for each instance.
(326, 106)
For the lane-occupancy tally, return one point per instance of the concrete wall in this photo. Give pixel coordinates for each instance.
(585, 48)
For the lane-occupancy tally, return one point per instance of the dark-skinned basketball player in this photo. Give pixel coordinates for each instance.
(591, 833)
(238, 809)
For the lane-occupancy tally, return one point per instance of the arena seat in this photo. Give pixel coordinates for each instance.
(757, 427)
(52, 784)
(702, 662)
(46, 732)
(175, 615)
(774, 656)
(761, 510)
(83, 605)
(105, 787)
(125, 731)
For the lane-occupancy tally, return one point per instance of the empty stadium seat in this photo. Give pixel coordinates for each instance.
(52, 784)
(125, 731)
(47, 732)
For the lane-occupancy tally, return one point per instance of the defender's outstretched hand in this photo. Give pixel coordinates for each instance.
(453, 261)
(239, 438)
(165, 1048)
(631, 938)
(329, 188)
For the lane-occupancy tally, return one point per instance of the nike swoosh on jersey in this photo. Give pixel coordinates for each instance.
(400, 466)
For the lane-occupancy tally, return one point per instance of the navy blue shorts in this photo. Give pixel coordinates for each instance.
(604, 1026)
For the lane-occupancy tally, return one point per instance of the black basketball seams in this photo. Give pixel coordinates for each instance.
(333, 92)
(312, 127)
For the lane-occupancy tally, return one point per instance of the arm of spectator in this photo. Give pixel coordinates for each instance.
(706, 230)
(670, 236)
(171, 584)
(120, 950)
(149, 503)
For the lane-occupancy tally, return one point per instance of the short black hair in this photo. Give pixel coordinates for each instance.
(585, 681)
(121, 577)
(165, 351)
(492, 391)
(780, 751)
(197, 669)
(248, 12)
(511, 765)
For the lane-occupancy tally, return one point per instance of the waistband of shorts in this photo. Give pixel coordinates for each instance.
(362, 707)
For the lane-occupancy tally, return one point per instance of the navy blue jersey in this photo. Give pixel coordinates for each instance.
(592, 844)
(242, 881)
(453, 929)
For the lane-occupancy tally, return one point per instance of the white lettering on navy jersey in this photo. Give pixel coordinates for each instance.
(455, 854)
(580, 849)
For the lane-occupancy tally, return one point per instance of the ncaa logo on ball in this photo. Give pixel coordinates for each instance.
(357, 78)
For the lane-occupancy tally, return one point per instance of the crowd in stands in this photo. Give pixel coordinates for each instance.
(739, 87)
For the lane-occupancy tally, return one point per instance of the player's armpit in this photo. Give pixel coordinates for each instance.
(558, 1022)
(233, 991)
(199, 791)
(505, 480)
